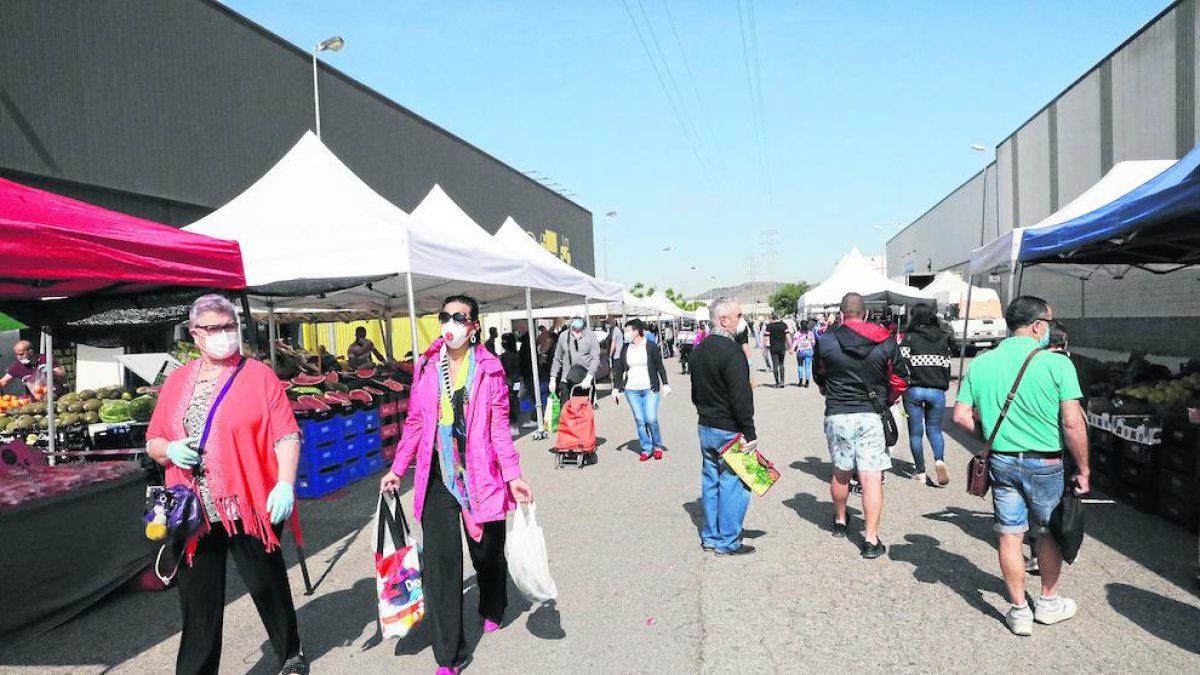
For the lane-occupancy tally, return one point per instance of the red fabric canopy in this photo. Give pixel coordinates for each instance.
(52, 246)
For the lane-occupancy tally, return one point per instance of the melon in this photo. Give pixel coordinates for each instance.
(331, 377)
(373, 391)
(360, 395)
(311, 402)
(308, 380)
(365, 373)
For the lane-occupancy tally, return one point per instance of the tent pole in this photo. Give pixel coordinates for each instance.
(388, 337)
(962, 347)
(537, 382)
(412, 314)
(271, 330)
(331, 338)
(1020, 278)
(251, 324)
(53, 427)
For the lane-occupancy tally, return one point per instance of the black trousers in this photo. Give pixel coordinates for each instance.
(202, 599)
(777, 365)
(442, 570)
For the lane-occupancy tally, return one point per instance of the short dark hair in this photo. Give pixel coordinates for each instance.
(637, 325)
(1058, 335)
(493, 331)
(922, 314)
(805, 324)
(466, 300)
(1024, 311)
(361, 330)
(508, 342)
(853, 305)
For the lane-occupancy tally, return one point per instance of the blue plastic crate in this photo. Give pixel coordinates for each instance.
(351, 448)
(374, 461)
(320, 432)
(355, 468)
(351, 424)
(371, 441)
(319, 457)
(322, 482)
(369, 420)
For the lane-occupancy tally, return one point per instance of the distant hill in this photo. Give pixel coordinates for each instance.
(759, 291)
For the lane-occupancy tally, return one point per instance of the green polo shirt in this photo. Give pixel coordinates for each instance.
(1032, 424)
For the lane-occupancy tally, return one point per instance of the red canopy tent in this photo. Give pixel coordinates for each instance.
(56, 247)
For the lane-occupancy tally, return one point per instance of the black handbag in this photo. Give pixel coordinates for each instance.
(1066, 524)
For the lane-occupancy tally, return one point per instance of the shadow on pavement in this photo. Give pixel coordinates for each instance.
(695, 511)
(815, 467)
(330, 621)
(962, 436)
(932, 565)
(977, 524)
(820, 513)
(1166, 619)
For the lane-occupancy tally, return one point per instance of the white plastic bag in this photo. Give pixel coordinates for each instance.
(526, 553)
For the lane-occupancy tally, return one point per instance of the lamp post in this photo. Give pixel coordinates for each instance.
(966, 314)
(609, 215)
(333, 44)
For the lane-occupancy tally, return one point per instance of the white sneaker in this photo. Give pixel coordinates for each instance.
(529, 425)
(919, 478)
(1054, 612)
(1020, 622)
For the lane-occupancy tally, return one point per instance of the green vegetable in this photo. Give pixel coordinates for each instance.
(141, 408)
(115, 411)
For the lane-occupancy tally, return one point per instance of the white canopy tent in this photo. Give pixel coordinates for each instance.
(566, 278)
(1001, 252)
(948, 288)
(666, 308)
(855, 274)
(631, 305)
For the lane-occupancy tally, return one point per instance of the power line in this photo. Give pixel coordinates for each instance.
(670, 99)
(762, 111)
(754, 116)
(692, 79)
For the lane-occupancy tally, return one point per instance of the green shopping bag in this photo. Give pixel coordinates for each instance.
(553, 410)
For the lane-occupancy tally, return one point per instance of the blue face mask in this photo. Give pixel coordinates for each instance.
(1045, 341)
(577, 324)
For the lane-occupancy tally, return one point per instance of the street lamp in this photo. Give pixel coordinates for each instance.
(333, 44)
(610, 215)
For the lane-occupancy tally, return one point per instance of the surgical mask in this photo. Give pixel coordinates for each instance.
(221, 346)
(577, 325)
(628, 336)
(455, 334)
(1045, 341)
(742, 326)
(25, 361)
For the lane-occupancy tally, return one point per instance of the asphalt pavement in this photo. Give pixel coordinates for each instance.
(637, 594)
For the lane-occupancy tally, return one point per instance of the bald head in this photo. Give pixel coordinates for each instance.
(853, 306)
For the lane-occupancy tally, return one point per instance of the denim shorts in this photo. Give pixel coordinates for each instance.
(1021, 487)
(856, 441)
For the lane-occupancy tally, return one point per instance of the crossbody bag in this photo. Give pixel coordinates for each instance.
(891, 432)
(979, 478)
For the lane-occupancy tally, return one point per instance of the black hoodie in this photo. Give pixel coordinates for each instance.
(926, 353)
(851, 358)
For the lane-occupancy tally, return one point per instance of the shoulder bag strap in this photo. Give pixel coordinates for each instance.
(987, 447)
(212, 410)
(871, 396)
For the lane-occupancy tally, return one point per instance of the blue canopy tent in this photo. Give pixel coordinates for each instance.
(1155, 227)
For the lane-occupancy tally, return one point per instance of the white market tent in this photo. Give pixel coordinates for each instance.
(631, 305)
(566, 278)
(659, 301)
(948, 288)
(855, 274)
(1001, 253)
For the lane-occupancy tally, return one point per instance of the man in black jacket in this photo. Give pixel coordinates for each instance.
(725, 405)
(852, 363)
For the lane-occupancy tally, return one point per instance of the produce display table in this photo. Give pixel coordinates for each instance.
(62, 553)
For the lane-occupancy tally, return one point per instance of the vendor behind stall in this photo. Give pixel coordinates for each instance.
(360, 351)
(23, 369)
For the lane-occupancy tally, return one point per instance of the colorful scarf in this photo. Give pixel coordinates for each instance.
(452, 429)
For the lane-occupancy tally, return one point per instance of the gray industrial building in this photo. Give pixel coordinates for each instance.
(166, 110)
(1139, 103)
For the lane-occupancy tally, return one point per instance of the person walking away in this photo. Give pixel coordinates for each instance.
(641, 378)
(576, 346)
(777, 342)
(359, 353)
(510, 360)
(760, 341)
(468, 476)
(926, 354)
(224, 428)
(490, 344)
(1026, 465)
(725, 405)
(802, 344)
(853, 362)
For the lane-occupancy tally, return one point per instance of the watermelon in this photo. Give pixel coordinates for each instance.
(311, 402)
(365, 373)
(308, 380)
(331, 377)
(360, 395)
(392, 384)
(373, 391)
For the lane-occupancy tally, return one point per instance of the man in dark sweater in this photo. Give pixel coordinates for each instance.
(853, 363)
(725, 405)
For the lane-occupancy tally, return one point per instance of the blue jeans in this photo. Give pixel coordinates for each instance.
(644, 404)
(804, 364)
(724, 496)
(926, 409)
(1025, 489)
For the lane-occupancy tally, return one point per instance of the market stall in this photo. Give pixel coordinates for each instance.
(70, 266)
(854, 274)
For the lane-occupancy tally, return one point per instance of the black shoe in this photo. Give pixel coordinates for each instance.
(297, 665)
(744, 549)
(839, 530)
(707, 548)
(871, 551)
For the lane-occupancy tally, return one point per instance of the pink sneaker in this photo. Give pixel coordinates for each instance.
(447, 671)
(490, 626)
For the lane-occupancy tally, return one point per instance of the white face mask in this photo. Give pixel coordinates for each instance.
(220, 346)
(742, 326)
(629, 337)
(455, 334)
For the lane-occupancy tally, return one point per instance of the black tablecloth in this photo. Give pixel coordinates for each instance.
(60, 555)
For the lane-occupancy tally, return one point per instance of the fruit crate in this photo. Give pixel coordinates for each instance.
(1181, 434)
(1141, 498)
(1177, 485)
(350, 448)
(1106, 461)
(1101, 439)
(1138, 453)
(1138, 475)
(355, 468)
(374, 461)
(1108, 483)
(321, 483)
(1179, 510)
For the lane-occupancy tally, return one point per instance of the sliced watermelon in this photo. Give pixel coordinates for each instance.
(365, 373)
(360, 395)
(337, 398)
(308, 380)
(313, 403)
(392, 384)
(373, 391)
(331, 377)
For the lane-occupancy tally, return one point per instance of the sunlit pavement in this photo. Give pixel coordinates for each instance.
(637, 595)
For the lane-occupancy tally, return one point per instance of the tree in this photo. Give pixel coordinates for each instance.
(785, 298)
(639, 290)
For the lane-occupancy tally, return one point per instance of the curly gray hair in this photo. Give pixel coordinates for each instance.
(211, 303)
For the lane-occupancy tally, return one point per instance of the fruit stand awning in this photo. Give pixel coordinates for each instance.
(54, 247)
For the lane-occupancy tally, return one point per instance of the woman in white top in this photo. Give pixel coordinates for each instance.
(640, 377)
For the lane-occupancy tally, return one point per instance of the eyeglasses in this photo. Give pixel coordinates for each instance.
(217, 329)
(1044, 318)
(457, 317)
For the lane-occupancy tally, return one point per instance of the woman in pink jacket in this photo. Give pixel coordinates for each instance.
(467, 472)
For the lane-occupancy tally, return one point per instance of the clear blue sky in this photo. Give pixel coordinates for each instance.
(868, 109)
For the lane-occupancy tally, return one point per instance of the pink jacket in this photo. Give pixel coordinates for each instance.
(491, 459)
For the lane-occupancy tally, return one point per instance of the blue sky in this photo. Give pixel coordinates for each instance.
(867, 110)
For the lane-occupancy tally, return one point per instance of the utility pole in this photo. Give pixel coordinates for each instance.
(769, 241)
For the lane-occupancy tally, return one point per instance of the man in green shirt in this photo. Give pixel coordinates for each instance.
(1027, 455)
